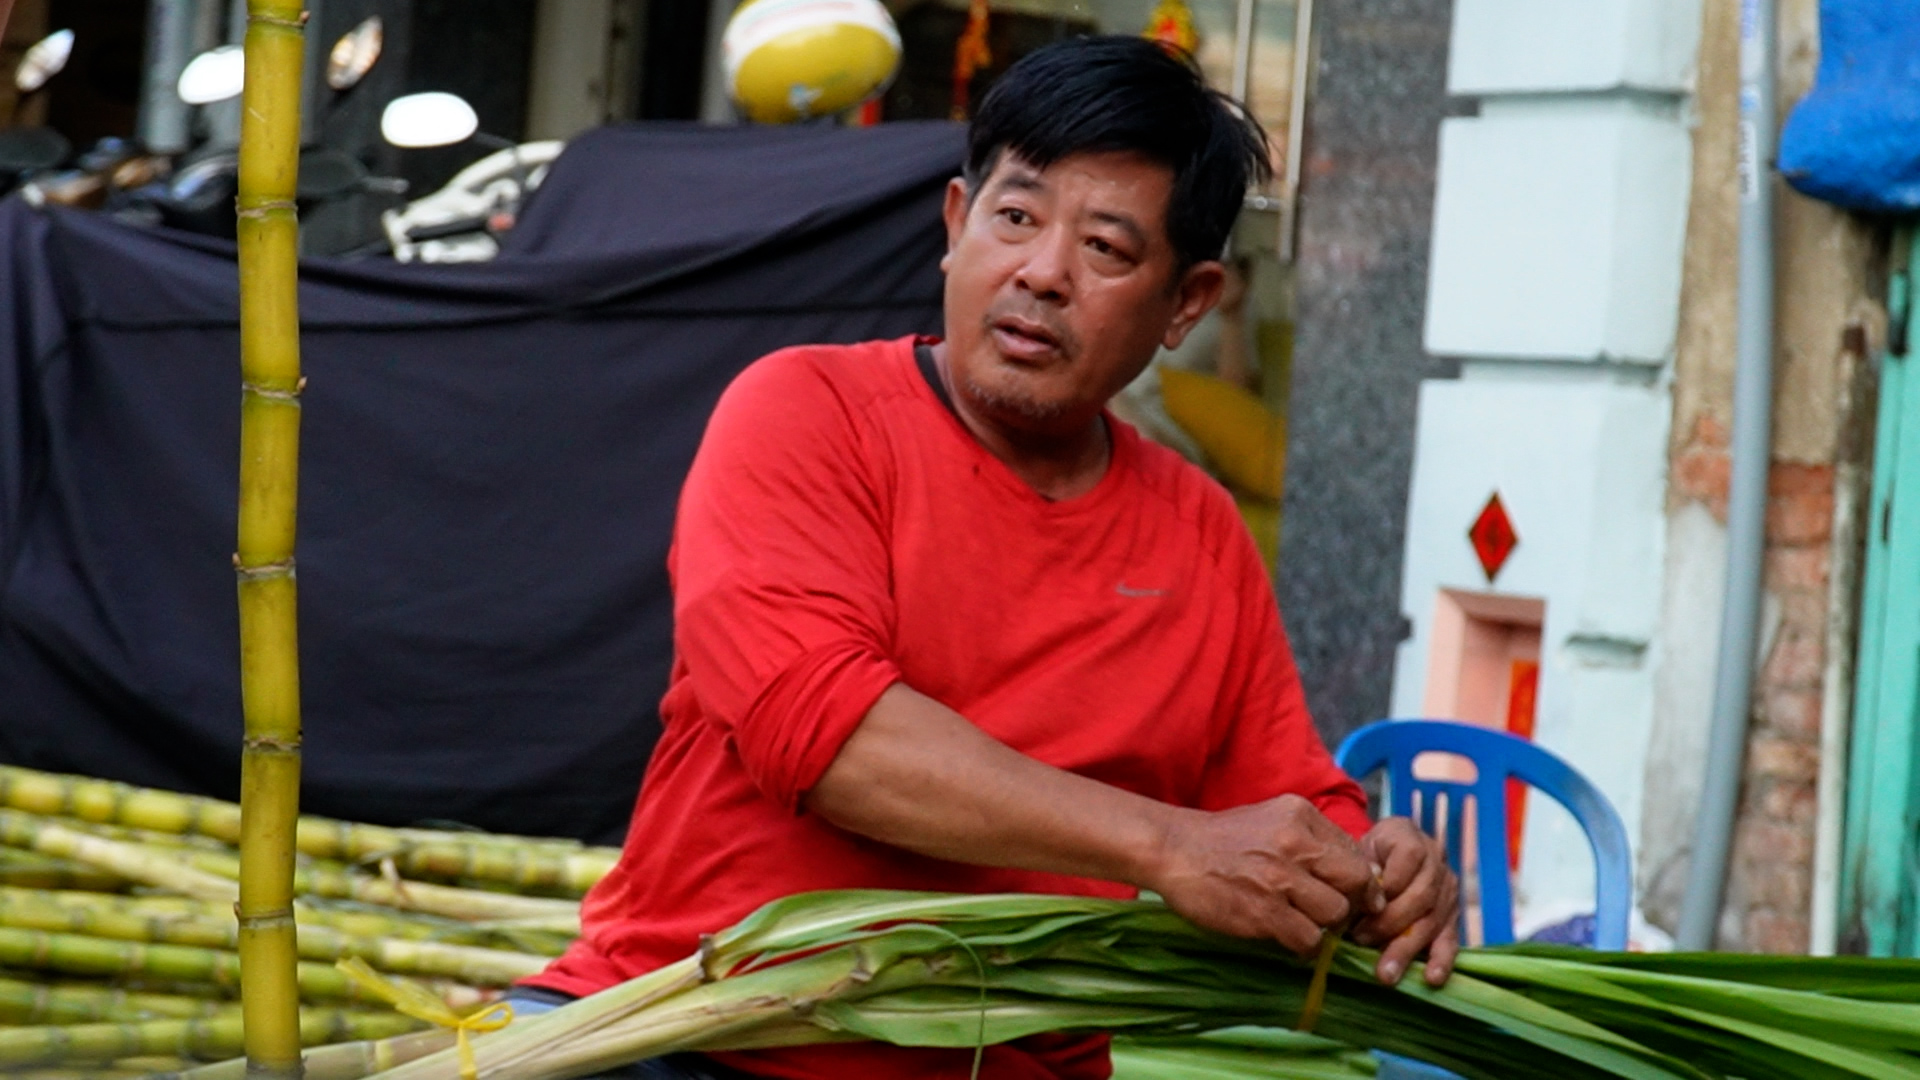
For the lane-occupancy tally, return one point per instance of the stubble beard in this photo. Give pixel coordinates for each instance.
(1013, 404)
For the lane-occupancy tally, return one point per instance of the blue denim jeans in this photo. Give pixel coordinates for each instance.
(672, 1067)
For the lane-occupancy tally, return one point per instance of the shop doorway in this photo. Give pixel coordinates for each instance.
(1483, 668)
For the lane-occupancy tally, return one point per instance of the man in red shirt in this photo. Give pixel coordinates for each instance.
(943, 623)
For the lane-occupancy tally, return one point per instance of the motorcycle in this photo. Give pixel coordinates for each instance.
(199, 196)
(27, 152)
(462, 221)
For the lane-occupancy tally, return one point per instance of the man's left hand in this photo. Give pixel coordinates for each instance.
(1423, 902)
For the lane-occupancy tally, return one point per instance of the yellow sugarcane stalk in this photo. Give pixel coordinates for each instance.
(522, 862)
(269, 236)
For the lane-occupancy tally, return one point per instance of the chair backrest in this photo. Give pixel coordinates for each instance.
(1394, 744)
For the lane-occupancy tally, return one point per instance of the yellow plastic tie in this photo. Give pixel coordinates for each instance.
(1317, 989)
(417, 1001)
(1322, 968)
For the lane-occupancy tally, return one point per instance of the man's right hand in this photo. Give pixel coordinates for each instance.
(1277, 870)
(917, 775)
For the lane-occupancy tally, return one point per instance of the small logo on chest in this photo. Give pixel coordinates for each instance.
(1125, 589)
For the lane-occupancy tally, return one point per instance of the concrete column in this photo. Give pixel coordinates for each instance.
(1555, 282)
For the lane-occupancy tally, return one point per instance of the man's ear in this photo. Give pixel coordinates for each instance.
(1197, 292)
(954, 212)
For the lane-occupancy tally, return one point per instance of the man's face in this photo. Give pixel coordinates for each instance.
(1061, 284)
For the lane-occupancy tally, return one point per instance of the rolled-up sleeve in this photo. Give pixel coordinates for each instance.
(784, 616)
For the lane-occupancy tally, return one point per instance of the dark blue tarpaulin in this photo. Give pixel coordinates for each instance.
(1854, 139)
(490, 459)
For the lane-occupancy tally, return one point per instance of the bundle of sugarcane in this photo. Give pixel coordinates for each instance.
(966, 971)
(120, 954)
(124, 963)
(534, 865)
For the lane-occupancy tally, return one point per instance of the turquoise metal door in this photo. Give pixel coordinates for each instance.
(1880, 874)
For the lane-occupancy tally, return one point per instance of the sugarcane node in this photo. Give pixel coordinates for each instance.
(276, 919)
(265, 208)
(275, 20)
(282, 568)
(272, 744)
(274, 393)
(706, 958)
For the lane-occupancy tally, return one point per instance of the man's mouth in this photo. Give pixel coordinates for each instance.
(1024, 340)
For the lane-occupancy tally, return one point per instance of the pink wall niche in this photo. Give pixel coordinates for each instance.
(1483, 667)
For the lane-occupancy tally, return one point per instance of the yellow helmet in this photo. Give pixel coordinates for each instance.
(789, 60)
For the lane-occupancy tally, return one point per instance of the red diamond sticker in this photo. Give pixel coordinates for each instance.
(1493, 537)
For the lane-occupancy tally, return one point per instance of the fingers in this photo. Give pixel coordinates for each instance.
(1415, 899)
(1319, 902)
(1436, 932)
(1343, 866)
(1443, 952)
(1404, 949)
(1402, 850)
(1293, 930)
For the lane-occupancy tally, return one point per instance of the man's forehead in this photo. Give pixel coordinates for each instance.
(1011, 169)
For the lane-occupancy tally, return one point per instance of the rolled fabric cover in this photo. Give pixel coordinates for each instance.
(1854, 140)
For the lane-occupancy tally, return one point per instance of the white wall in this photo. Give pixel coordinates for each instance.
(1580, 466)
(1522, 46)
(1559, 230)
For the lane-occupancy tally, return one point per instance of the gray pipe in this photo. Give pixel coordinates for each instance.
(166, 122)
(223, 117)
(1751, 449)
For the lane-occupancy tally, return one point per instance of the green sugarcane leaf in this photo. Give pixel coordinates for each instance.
(1714, 1006)
(1541, 1025)
(1872, 1023)
(958, 971)
(1867, 1064)
(1869, 978)
(1238, 1054)
(1719, 1051)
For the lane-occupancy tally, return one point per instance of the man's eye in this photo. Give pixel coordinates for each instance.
(1016, 216)
(1108, 250)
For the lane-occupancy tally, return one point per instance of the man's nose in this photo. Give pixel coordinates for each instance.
(1047, 272)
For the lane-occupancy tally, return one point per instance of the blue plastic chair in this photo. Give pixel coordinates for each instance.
(1394, 744)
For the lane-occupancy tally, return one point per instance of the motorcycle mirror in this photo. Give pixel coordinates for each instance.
(214, 75)
(430, 119)
(43, 61)
(355, 53)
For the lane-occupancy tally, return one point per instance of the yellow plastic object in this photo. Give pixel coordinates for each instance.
(1245, 443)
(789, 60)
(412, 999)
(1263, 521)
(1171, 24)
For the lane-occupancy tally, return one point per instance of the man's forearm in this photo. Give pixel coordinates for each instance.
(917, 775)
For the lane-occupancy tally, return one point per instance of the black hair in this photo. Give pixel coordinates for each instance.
(1109, 93)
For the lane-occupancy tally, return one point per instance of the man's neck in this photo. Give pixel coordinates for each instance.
(1057, 467)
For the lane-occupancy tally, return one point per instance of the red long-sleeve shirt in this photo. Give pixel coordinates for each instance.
(840, 531)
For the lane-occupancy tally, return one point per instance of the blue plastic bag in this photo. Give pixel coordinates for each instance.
(1854, 140)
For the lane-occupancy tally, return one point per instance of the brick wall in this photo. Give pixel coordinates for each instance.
(1770, 879)
(1830, 276)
